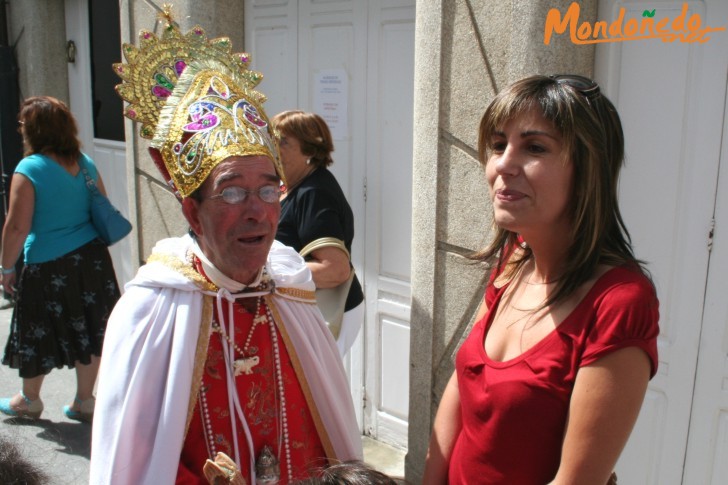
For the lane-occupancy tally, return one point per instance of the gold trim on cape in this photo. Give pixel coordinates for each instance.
(203, 342)
(324, 242)
(304, 296)
(185, 268)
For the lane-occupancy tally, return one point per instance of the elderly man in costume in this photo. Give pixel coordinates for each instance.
(217, 363)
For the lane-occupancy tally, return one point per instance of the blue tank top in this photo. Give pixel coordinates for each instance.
(62, 212)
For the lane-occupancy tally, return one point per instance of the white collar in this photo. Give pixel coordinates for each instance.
(218, 278)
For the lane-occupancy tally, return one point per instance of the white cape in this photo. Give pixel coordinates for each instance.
(151, 365)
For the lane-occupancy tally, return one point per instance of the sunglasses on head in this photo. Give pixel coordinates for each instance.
(585, 86)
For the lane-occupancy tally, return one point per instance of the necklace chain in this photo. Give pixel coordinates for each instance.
(258, 318)
(541, 283)
(528, 314)
(263, 316)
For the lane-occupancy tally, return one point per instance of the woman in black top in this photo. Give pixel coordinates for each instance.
(314, 209)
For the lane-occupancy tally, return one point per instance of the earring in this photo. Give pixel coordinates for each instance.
(308, 161)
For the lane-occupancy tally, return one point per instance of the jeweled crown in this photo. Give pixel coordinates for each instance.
(196, 100)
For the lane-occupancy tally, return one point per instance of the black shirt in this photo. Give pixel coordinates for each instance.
(315, 209)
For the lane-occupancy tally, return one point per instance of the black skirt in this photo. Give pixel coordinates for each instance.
(61, 311)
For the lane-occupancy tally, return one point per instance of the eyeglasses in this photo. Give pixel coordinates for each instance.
(585, 86)
(238, 195)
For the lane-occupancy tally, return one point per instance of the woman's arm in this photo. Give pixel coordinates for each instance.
(445, 431)
(604, 406)
(329, 266)
(17, 226)
(447, 426)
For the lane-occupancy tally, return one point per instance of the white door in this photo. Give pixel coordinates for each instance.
(366, 49)
(707, 454)
(109, 155)
(671, 98)
(390, 95)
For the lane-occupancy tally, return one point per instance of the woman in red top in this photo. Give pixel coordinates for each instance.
(550, 381)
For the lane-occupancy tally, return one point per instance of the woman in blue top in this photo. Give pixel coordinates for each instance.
(68, 286)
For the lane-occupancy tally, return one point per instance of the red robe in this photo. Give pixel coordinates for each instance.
(259, 400)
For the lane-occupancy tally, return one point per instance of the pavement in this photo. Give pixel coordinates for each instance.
(62, 447)
(58, 446)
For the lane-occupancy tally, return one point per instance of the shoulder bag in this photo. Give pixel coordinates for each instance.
(111, 225)
(331, 301)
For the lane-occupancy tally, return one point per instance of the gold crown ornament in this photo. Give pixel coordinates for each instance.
(195, 100)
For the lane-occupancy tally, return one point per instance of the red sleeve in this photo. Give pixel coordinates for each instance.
(627, 315)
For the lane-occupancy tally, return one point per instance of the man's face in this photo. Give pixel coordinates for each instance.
(236, 238)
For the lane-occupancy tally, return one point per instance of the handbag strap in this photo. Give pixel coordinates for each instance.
(324, 242)
(89, 181)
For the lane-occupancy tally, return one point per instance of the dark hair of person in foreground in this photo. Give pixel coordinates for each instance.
(15, 469)
(352, 472)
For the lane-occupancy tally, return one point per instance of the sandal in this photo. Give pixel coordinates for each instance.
(85, 411)
(28, 408)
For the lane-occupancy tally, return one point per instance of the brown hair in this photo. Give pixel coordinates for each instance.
(49, 127)
(594, 142)
(352, 472)
(311, 131)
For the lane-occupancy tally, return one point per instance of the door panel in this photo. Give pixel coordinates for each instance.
(708, 438)
(389, 215)
(393, 153)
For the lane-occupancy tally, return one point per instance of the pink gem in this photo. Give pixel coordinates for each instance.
(131, 113)
(244, 58)
(147, 35)
(198, 31)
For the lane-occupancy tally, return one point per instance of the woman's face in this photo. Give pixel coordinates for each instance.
(294, 161)
(530, 180)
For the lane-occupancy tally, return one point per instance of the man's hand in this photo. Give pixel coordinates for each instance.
(223, 471)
